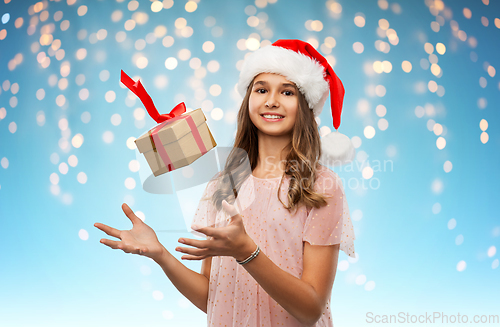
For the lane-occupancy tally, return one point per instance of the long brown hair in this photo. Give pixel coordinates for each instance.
(302, 154)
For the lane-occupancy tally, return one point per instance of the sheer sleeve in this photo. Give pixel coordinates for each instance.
(206, 213)
(330, 224)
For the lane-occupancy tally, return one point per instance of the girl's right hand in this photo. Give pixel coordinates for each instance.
(141, 239)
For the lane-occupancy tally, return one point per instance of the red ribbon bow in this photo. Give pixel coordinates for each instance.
(139, 90)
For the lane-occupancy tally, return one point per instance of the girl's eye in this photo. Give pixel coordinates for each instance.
(288, 93)
(259, 90)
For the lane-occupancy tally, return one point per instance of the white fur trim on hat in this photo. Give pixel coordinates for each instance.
(298, 68)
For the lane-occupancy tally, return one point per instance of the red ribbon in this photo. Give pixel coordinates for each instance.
(139, 90)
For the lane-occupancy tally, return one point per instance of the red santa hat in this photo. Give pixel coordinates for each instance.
(301, 64)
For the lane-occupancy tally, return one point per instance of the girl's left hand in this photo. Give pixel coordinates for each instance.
(231, 240)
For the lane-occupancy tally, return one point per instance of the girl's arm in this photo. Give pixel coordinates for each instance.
(303, 298)
(142, 239)
(192, 285)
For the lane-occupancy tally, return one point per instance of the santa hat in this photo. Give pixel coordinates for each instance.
(301, 64)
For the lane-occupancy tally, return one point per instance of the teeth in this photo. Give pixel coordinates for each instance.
(272, 116)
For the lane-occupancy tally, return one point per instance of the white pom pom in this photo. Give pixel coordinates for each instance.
(337, 149)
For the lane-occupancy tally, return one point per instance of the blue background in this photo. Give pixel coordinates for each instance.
(54, 271)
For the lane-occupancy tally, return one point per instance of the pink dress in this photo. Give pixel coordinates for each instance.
(234, 297)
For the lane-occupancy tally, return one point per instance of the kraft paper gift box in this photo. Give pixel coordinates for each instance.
(179, 138)
(176, 142)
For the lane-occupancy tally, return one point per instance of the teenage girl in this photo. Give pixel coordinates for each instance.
(275, 262)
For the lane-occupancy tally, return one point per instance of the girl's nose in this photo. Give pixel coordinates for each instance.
(272, 101)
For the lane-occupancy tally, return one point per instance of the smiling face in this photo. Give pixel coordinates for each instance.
(273, 95)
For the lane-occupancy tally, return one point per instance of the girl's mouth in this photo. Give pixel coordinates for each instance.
(272, 118)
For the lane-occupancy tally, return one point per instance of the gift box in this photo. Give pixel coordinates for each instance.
(176, 143)
(179, 138)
